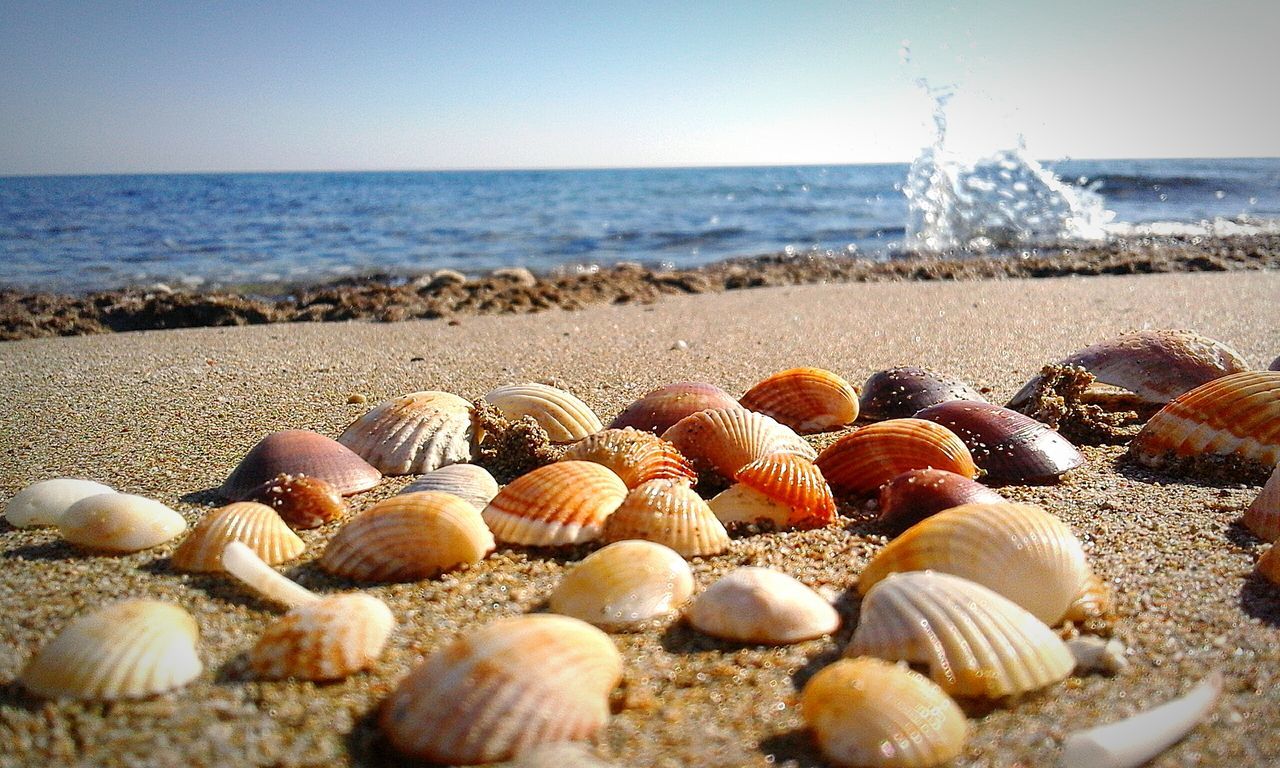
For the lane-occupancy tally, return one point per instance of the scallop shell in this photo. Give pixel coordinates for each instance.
(797, 483)
(728, 440)
(119, 522)
(563, 416)
(1263, 515)
(975, 642)
(1011, 447)
(862, 461)
(920, 493)
(557, 504)
(408, 537)
(899, 393)
(868, 712)
(299, 452)
(503, 689)
(635, 456)
(327, 639)
(804, 399)
(126, 650)
(469, 482)
(1017, 550)
(44, 502)
(414, 433)
(253, 524)
(623, 585)
(659, 410)
(670, 513)
(759, 605)
(301, 501)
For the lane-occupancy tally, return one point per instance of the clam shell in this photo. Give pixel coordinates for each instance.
(900, 392)
(868, 712)
(1009, 446)
(255, 525)
(469, 482)
(299, 452)
(563, 416)
(1017, 550)
(301, 501)
(623, 585)
(414, 433)
(797, 483)
(975, 642)
(740, 503)
(126, 650)
(728, 440)
(758, 605)
(635, 456)
(503, 689)
(1263, 515)
(659, 410)
(1269, 564)
(44, 502)
(670, 513)
(561, 503)
(920, 493)
(408, 537)
(804, 399)
(327, 639)
(119, 522)
(862, 461)
(1275, 365)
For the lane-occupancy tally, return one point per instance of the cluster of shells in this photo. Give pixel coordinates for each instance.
(970, 599)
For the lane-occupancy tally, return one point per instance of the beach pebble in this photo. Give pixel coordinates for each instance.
(518, 275)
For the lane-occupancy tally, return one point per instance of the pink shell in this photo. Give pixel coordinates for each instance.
(299, 452)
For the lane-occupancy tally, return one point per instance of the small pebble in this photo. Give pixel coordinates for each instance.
(356, 399)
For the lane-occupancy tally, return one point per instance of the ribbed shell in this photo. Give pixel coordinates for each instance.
(563, 416)
(759, 605)
(624, 584)
(804, 399)
(562, 503)
(659, 410)
(299, 452)
(862, 461)
(126, 650)
(328, 639)
(728, 440)
(635, 456)
(668, 512)
(503, 689)
(868, 712)
(44, 502)
(413, 433)
(1263, 515)
(975, 642)
(1011, 447)
(469, 482)
(119, 522)
(899, 393)
(920, 493)
(796, 482)
(255, 525)
(301, 501)
(408, 537)
(1017, 550)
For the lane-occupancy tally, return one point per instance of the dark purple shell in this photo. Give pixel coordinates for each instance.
(1011, 447)
(659, 410)
(1275, 365)
(299, 452)
(919, 493)
(900, 392)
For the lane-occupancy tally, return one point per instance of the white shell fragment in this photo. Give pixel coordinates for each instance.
(1098, 654)
(469, 482)
(624, 584)
(561, 414)
(119, 522)
(44, 502)
(759, 605)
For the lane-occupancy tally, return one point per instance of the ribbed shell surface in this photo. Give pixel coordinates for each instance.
(728, 440)
(804, 399)
(469, 482)
(119, 522)
(624, 584)
(862, 461)
(503, 689)
(255, 525)
(562, 503)
(660, 409)
(299, 452)
(414, 433)
(1235, 415)
(899, 392)
(561, 414)
(635, 456)
(668, 512)
(1263, 515)
(327, 639)
(44, 502)
(920, 493)
(1011, 447)
(759, 605)
(796, 482)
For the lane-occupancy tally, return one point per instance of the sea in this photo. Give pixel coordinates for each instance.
(255, 230)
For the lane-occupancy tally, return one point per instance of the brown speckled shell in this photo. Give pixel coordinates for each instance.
(919, 493)
(327, 639)
(728, 440)
(668, 512)
(1009, 446)
(657, 411)
(862, 461)
(299, 452)
(899, 393)
(635, 456)
(796, 482)
(805, 399)
(255, 525)
(554, 505)
(301, 501)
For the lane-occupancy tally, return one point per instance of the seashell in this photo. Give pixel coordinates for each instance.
(408, 537)
(568, 754)
(659, 410)
(563, 416)
(1009, 446)
(299, 452)
(557, 504)
(1275, 365)
(503, 689)
(119, 522)
(1236, 415)
(44, 502)
(862, 461)
(414, 433)
(868, 712)
(920, 493)
(759, 605)
(1269, 565)
(326, 639)
(635, 456)
(253, 524)
(126, 650)
(301, 501)
(899, 393)
(1157, 366)
(244, 564)
(740, 503)
(668, 512)
(728, 440)
(469, 482)
(624, 584)
(1017, 550)
(804, 399)
(1263, 515)
(975, 642)
(784, 489)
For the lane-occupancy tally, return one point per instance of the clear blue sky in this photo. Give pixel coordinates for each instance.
(212, 86)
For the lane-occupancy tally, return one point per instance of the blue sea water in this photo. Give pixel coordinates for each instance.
(75, 234)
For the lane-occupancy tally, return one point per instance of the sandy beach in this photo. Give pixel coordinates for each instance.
(167, 414)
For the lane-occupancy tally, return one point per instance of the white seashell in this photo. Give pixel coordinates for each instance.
(44, 502)
(415, 433)
(759, 605)
(670, 513)
(624, 584)
(326, 639)
(119, 522)
(1098, 654)
(243, 563)
(469, 482)
(563, 416)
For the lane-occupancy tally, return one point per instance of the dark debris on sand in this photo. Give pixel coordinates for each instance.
(1062, 400)
(511, 448)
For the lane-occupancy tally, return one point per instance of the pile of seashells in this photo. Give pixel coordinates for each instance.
(969, 593)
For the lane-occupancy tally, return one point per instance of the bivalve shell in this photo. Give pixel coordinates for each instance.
(635, 456)
(44, 502)
(759, 605)
(414, 433)
(624, 584)
(728, 440)
(562, 503)
(1263, 515)
(563, 416)
(119, 522)
(797, 483)
(899, 393)
(255, 525)
(469, 482)
(299, 452)
(327, 639)
(862, 461)
(301, 501)
(920, 493)
(1269, 564)
(668, 512)
(660, 409)
(805, 399)
(1009, 446)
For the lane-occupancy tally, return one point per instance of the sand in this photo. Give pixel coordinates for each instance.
(168, 413)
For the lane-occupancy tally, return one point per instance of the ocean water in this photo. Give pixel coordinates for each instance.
(213, 230)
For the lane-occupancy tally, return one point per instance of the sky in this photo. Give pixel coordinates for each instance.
(199, 85)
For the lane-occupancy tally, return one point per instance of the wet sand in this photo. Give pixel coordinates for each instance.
(168, 413)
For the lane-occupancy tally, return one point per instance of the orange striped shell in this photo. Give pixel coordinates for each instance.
(562, 503)
(862, 461)
(728, 440)
(1263, 515)
(805, 399)
(256, 525)
(635, 456)
(668, 512)
(796, 482)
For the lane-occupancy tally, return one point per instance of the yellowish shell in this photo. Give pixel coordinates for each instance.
(44, 502)
(414, 433)
(740, 503)
(805, 399)
(119, 522)
(728, 440)
(469, 482)
(126, 650)
(327, 639)
(870, 713)
(562, 503)
(668, 512)
(1269, 565)
(635, 456)
(759, 605)
(563, 416)
(862, 461)
(624, 584)
(503, 689)
(1263, 515)
(253, 524)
